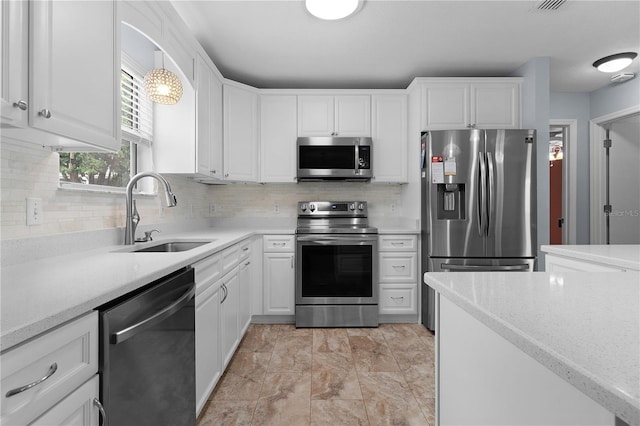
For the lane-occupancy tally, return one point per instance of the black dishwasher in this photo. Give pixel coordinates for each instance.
(147, 354)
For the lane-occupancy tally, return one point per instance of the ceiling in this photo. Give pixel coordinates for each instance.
(278, 44)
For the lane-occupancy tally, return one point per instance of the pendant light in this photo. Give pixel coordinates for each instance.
(331, 9)
(615, 63)
(163, 86)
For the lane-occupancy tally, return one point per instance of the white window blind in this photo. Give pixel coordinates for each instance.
(137, 111)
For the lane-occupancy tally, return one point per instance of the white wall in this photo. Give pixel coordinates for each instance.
(614, 97)
(535, 115)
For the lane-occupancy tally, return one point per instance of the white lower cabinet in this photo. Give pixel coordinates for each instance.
(56, 365)
(208, 365)
(279, 275)
(229, 327)
(398, 274)
(77, 409)
(565, 264)
(244, 304)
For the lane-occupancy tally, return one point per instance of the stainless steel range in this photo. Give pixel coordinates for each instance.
(336, 265)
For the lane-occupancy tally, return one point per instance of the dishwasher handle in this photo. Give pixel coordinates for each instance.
(127, 333)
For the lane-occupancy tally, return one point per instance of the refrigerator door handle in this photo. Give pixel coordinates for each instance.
(482, 194)
(451, 267)
(490, 194)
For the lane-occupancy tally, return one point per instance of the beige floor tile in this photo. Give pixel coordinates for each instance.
(334, 376)
(331, 340)
(338, 413)
(292, 354)
(428, 407)
(389, 400)
(228, 413)
(235, 387)
(290, 330)
(260, 338)
(401, 338)
(284, 400)
(372, 354)
(249, 364)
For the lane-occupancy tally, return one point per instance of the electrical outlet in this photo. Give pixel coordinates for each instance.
(212, 208)
(161, 211)
(276, 208)
(34, 211)
(393, 207)
(191, 210)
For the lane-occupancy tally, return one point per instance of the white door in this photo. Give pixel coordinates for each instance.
(352, 115)
(279, 284)
(208, 367)
(445, 106)
(624, 177)
(495, 105)
(315, 115)
(240, 134)
(389, 133)
(13, 85)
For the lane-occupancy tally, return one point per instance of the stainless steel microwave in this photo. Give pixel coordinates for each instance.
(334, 158)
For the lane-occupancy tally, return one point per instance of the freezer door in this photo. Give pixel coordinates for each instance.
(511, 193)
(451, 199)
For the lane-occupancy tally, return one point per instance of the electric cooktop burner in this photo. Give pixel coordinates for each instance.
(333, 217)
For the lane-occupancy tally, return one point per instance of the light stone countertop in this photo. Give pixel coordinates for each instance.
(583, 326)
(37, 296)
(622, 255)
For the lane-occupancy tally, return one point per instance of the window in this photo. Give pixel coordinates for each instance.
(114, 169)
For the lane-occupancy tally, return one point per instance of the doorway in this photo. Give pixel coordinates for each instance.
(615, 193)
(558, 136)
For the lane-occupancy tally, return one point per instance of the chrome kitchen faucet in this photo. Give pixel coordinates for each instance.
(133, 218)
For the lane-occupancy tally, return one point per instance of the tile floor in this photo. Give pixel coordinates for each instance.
(285, 376)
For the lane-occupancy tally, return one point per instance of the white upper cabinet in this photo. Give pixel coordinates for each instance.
(278, 131)
(208, 120)
(73, 73)
(240, 129)
(389, 133)
(487, 103)
(14, 15)
(345, 115)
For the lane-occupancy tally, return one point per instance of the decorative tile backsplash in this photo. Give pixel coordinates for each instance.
(30, 171)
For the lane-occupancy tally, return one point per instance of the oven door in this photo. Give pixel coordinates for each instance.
(336, 269)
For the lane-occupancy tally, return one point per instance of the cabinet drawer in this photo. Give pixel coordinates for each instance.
(207, 271)
(397, 243)
(398, 299)
(398, 267)
(279, 243)
(230, 258)
(245, 249)
(68, 355)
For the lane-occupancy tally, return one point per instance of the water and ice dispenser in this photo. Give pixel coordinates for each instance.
(451, 201)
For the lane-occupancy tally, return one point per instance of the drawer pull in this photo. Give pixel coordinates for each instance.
(397, 243)
(399, 267)
(245, 249)
(279, 244)
(397, 298)
(52, 370)
(98, 404)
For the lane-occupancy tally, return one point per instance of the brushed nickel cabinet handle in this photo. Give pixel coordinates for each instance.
(52, 370)
(21, 104)
(98, 404)
(45, 113)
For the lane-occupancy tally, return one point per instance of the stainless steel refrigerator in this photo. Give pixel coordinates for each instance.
(478, 203)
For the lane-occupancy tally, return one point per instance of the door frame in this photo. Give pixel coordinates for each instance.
(597, 133)
(569, 179)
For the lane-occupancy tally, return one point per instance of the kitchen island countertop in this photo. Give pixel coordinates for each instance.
(584, 327)
(625, 256)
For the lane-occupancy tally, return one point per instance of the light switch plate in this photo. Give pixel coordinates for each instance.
(34, 211)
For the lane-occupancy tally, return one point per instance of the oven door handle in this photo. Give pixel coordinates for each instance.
(328, 240)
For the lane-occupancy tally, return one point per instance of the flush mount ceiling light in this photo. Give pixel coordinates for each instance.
(163, 86)
(615, 63)
(331, 9)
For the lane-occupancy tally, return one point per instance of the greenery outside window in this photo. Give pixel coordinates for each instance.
(112, 170)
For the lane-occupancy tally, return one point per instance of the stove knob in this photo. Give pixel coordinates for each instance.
(352, 206)
(312, 207)
(303, 207)
(361, 206)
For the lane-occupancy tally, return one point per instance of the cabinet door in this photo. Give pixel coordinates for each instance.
(14, 47)
(74, 70)
(244, 284)
(279, 284)
(389, 133)
(77, 409)
(278, 131)
(315, 115)
(208, 365)
(204, 113)
(229, 334)
(352, 116)
(445, 106)
(240, 134)
(216, 157)
(495, 105)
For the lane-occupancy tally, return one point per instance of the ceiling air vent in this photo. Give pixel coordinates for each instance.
(550, 4)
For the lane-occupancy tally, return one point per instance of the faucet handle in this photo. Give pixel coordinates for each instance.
(147, 234)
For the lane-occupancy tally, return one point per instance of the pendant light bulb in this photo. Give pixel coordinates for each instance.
(331, 9)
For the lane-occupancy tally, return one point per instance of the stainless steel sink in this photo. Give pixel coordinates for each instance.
(171, 247)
